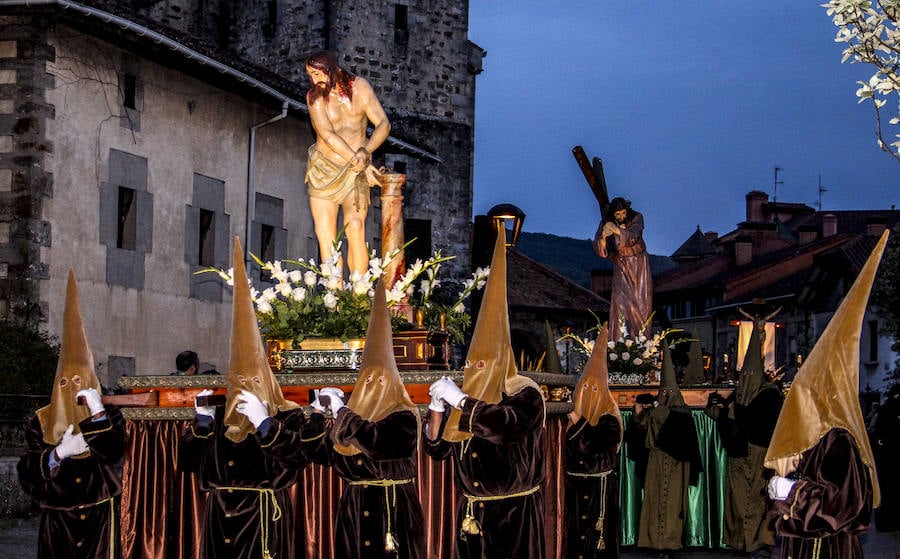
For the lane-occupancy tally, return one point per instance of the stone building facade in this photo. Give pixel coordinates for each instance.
(130, 159)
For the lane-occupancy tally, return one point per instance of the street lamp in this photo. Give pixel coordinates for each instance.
(500, 213)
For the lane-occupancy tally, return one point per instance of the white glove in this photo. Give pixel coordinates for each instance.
(436, 403)
(335, 398)
(332, 392)
(250, 406)
(780, 487)
(71, 445)
(317, 405)
(209, 411)
(94, 403)
(446, 390)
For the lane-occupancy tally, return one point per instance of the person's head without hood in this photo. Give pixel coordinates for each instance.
(248, 367)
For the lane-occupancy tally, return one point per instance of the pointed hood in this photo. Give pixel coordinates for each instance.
(669, 393)
(693, 373)
(379, 390)
(825, 391)
(248, 367)
(753, 373)
(490, 368)
(74, 372)
(551, 360)
(593, 398)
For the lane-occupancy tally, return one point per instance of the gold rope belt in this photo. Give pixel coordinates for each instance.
(581, 474)
(390, 502)
(267, 501)
(599, 525)
(469, 524)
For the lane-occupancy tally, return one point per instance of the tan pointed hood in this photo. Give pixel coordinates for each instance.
(490, 368)
(248, 367)
(669, 392)
(551, 359)
(753, 373)
(593, 398)
(74, 372)
(825, 391)
(379, 390)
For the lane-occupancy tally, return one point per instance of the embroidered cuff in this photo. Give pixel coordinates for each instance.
(468, 413)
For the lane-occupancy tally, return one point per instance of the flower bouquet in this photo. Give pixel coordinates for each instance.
(630, 360)
(308, 300)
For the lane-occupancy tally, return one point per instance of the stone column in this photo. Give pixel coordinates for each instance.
(392, 237)
(392, 225)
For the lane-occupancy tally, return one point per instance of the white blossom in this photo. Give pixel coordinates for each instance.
(298, 294)
(330, 300)
(263, 306)
(612, 356)
(269, 295)
(310, 278)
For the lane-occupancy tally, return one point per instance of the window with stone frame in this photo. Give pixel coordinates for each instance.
(206, 229)
(126, 219)
(401, 25)
(268, 237)
(131, 97)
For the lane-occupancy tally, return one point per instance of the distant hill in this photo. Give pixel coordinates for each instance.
(574, 258)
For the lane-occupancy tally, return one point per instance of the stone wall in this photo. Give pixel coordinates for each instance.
(415, 53)
(24, 181)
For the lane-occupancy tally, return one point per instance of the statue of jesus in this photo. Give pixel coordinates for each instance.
(339, 172)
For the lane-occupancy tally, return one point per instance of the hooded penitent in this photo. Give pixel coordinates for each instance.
(74, 372)
(752, 374)
(379, 390)
(490, 370)
(592, 397)
(551, 359)
(669, 393)
(693, 373)
(825, 391)
(248, 367)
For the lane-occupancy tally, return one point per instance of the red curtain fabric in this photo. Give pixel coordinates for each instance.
(162, 509)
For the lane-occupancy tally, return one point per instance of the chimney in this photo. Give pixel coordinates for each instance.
(755, 201)
(829, 225)
(711, 236)
(806, 234)
(875, 225)
(743, 250)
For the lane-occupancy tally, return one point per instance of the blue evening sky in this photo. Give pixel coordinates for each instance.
(690, 104)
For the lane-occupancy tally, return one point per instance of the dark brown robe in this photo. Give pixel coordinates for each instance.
(592, 500)
(632, 284)
(78, 499)
(831, 503)
(749, 521)
(389, 451)
(249, 482)
(505, 456)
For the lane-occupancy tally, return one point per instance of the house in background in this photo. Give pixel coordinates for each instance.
(136, 139)
(786, 262)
